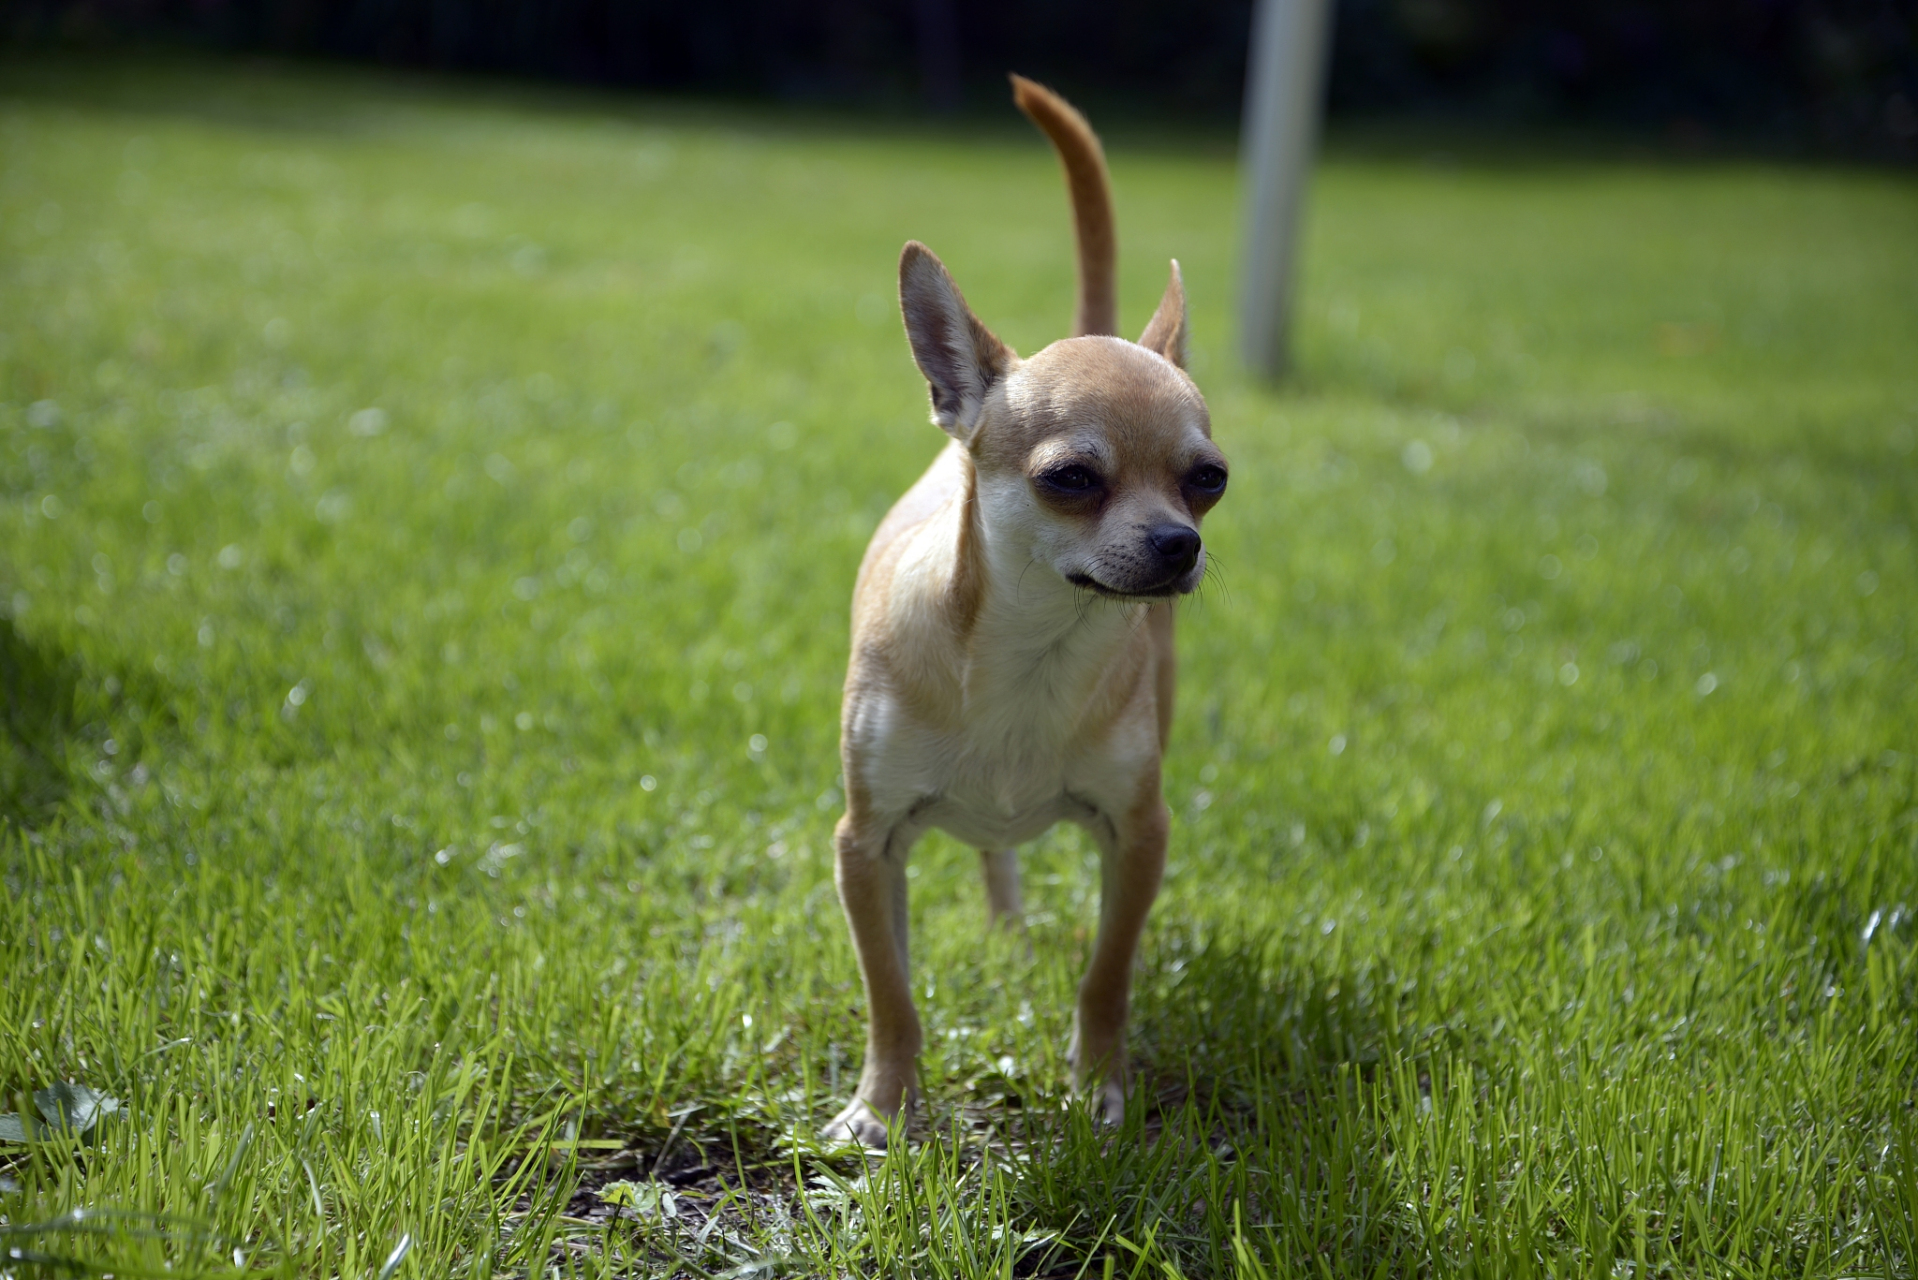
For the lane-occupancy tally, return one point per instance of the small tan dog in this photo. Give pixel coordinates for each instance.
(1012, 660)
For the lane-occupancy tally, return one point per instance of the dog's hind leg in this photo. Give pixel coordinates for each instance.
(1003, 904)
(871, 872)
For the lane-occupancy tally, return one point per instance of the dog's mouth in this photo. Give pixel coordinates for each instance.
(1163, 591)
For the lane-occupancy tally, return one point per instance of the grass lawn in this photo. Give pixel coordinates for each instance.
(427, 519)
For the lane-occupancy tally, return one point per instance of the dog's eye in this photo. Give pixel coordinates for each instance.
(1207, 479)
(1072, 478)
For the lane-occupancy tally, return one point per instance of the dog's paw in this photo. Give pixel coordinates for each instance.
(1105, 1095)
(1107, 1100)
(858, 1124)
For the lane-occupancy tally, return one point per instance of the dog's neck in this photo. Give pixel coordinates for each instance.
(1036, 639)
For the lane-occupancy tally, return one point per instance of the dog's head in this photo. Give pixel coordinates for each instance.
(1094, 457)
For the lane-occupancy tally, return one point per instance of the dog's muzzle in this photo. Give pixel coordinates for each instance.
(1163, 567)
(1177, 548)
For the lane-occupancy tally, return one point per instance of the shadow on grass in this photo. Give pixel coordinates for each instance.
(37, 716)
(1261, 1096)
(1257, 1111)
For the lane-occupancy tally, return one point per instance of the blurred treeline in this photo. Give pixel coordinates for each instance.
(1831, 74)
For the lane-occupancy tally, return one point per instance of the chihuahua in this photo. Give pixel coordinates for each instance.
(1012, 661)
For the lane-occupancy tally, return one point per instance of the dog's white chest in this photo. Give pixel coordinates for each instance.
(989, 789)
(996, 799)
(1017, 763)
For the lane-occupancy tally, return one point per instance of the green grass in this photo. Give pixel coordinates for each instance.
(429, 514)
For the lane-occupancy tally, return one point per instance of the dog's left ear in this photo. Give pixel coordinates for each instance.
(1165, 333)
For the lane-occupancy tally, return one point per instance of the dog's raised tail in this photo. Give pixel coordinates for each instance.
(1085, 166)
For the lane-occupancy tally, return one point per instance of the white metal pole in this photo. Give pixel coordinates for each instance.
(1284, 89)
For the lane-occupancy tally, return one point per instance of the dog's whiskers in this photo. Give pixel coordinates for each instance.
(1214, 575)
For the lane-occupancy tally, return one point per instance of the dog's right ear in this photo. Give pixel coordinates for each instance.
(959, 356)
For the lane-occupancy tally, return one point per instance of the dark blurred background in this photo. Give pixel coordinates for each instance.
(1826, 76)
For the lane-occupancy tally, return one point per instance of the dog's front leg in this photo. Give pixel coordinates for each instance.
(871, 873)
(1132, 863)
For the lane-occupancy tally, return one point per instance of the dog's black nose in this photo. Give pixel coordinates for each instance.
(1176, 544)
